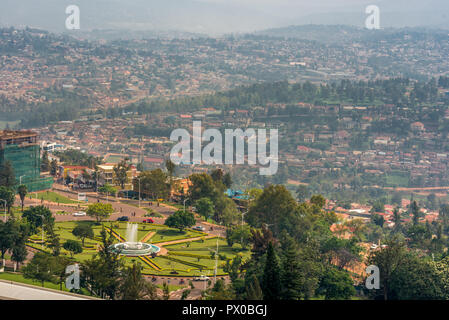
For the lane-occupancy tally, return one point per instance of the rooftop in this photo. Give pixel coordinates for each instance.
(15, 134)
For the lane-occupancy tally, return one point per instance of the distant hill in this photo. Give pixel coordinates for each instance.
(345, 34)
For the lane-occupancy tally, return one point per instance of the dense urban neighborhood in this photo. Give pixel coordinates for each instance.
(89, 183)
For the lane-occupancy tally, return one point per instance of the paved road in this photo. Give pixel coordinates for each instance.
(121, 208)
(18, 291)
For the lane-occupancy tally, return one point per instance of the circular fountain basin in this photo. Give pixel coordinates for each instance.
(135, 248)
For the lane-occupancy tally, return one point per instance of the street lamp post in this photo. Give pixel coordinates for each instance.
(185, 204)
(138, 178)
(216, 263)
(20, 178)
(42, 228)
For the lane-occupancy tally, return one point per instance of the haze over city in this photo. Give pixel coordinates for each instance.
(213, 17)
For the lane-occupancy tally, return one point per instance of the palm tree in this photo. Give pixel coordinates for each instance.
(22, 191)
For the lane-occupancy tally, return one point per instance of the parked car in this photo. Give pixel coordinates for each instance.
(199, 228)
(201, 278)
(79, 214)
(123, 218)
(148, 221)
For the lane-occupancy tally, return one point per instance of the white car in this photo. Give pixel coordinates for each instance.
(79, 214)
(199, 228)
(201, 278)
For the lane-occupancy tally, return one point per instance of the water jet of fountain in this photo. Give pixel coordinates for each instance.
(131, 233)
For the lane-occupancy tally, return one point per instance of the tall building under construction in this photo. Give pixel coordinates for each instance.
(22, 150)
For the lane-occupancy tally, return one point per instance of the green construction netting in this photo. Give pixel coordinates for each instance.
(26, 163)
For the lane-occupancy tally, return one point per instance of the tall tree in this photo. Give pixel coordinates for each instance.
(180, 220)
(8, 195)
(205, 207)
(22, 191)
(100, 211)
(171, 167)
(121, 172)
(101, 274)
(276, 207)
(133, 285)
(397, 220)
(40, 268)
(302, 193)
(254, 292)
(73, 246)
(415, 211)
(291, 274)
(388, 259)
(271, 279)
(7, 235)
(153, 183)
(45, 163)
(83, 231)
(336, 284)
(33, 215)
(7, 177)
(53, 167)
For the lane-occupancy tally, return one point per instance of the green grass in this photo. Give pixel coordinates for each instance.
(397, 181)
(184, 265)
(172, 287)
(170, 234)
(54, 197)
(64, 230)
(16, 277)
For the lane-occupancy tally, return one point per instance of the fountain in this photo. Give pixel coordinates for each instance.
(132, 247)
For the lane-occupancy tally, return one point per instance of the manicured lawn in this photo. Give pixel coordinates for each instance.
(53, 197)
(170, 234)
(64, 230)
(181, 260)
(19, 278)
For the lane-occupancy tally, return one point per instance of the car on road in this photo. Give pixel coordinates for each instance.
(79, 214)
(148, 221)
(201, 278)
(123, 218)
(199, 228)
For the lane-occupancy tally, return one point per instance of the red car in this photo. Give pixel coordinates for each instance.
(148, 221)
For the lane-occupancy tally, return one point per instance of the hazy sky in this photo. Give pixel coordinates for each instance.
(220, 16)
